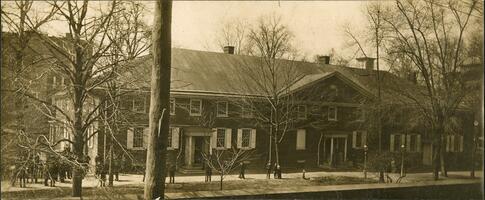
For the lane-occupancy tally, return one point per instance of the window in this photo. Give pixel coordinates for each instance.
(138, 138)
(334, 91)
(454, 143)
(172, 106)
(301, 112)
(396, 141)
(300, 139)
(332, 113)
(359, 139)
(139, 104)
(246, 112)
(222, 108)
(246, 138)
(413, 143)
(169, 138)
(221, 137)
(360, 114)
(195, 107)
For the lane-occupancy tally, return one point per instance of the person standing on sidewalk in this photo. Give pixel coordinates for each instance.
(242, 170)
(171, 173)
(208, 173)
(268, 170)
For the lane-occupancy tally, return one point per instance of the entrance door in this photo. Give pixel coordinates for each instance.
(339, 150)
(198, 150)
(335, 150)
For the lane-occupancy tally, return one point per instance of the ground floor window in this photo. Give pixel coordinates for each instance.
(454, 143)
(138, 137)
(221, 137)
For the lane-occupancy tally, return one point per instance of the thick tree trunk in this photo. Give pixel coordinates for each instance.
(159, 103)
(78, 171)
(444, 170)
(436, 158)
(110, 164)
(222, 179)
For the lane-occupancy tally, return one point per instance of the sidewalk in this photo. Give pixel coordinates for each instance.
(136, 180)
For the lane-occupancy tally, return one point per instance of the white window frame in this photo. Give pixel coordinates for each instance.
(217, 138)
(299, 111)
(200, 107)
(300, 139)
(134, 137)
(335, 118)
(219, 109)
(363, 139)
(172, 106)
(249, 138)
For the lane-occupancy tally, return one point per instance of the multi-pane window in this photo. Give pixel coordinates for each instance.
(246, 112)
(246, 138)
(172, 106)
(301, 111)
(137, 137)
(169, 138)
(454, 143)
(222, 109)
(195, 107)
(139, 104)
(396, 141)
(221, 137)
(413, 143)
(332, 113)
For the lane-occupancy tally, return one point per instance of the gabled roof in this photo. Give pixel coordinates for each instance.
(211, 72)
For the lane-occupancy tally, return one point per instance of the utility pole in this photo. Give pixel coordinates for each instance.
(379, 127)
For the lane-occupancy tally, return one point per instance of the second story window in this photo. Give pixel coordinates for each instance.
(301, 111)
(172, 106)
(222, 109)
(246, 111)
(195, 107)
(139, 104)
(332, 113)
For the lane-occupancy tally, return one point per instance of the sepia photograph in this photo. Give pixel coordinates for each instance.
(210, 99)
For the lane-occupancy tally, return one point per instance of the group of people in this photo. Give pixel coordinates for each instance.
(102, 169)
(276, 171)
(54, 167)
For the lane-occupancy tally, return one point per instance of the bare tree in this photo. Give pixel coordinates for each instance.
(234, 32)
(225, 161)
(267, 77)
(431, 35)
(160, 101)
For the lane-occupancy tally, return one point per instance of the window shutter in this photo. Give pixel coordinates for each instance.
(461, 143)
(253, 138)
(391, 148)
(175, 138)
(146, 132)
(408, 143)
(364, 138)
(228, 137)
(213, 138)
(129, 138)
(418, 143)
(354, 139)
(447, 144)
(239, 138)
(300, 139)
(452, 143)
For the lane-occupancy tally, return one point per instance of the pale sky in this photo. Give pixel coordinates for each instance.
(316, 25)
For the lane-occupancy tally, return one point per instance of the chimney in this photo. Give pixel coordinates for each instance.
(229, 49)
(366, 62)
(323, 59)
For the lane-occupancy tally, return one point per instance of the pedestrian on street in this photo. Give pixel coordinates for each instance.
(208, 173)
(268, 170)
(171, 173)
(278, 171)
(242, 170)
